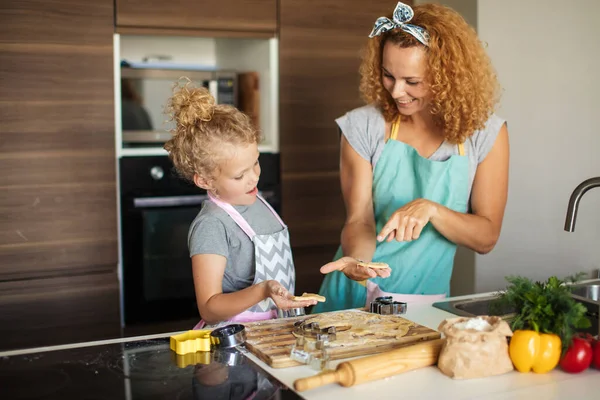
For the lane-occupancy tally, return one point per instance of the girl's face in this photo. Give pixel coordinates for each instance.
(403, 72)
(237, 176)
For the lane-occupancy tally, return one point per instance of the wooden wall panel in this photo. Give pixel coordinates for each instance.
(55, 22)
(319, 79)
(32, 125)
(56, 135)
(311, 258)
(44, 312)
(223, 15)
(60, 227)
(320, 47)
(47, 72)
(58, 236)
(320, 220)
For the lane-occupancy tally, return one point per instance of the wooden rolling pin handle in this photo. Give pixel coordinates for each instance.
(378, 366)
(322, 379)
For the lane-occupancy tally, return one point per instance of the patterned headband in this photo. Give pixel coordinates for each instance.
(403, 13)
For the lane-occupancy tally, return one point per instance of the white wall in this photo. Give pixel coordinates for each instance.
(547, 56)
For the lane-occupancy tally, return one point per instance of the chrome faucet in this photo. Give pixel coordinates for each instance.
(574, 201)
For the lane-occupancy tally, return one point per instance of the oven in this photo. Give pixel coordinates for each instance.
(157, 207)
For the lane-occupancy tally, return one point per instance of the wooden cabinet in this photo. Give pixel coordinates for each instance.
(59, 310)
(320, 47)
(57, 154)
(226, 16)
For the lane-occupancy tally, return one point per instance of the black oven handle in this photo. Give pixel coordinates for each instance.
(169, 201)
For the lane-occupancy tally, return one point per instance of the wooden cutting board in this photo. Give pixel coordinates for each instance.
(272, 340)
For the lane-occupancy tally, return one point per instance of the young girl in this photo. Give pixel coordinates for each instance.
(241, 257)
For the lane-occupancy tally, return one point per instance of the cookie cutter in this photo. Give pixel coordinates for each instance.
(191, 342)
(312, 343)
(387, 306)
(228, 356)
(292, 312)
(191, 359)
(228, 336)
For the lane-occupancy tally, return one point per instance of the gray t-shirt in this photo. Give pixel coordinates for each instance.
(213, 231)
(364, 129)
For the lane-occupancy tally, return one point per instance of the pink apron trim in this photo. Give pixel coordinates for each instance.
(246, 316)
(373, 291)
(237, 217)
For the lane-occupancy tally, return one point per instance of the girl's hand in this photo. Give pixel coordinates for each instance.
(407, 222)
(349, 266)
(284, 299)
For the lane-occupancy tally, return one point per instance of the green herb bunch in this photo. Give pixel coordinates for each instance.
(545, 307)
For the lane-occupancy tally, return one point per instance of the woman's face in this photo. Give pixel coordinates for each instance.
(403, 74)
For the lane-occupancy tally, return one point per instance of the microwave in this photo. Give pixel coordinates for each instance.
(144, 96)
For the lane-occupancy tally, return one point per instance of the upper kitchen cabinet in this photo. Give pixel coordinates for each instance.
(230, 17)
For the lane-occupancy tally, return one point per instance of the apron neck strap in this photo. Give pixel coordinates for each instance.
(237, 217)
(394, 128)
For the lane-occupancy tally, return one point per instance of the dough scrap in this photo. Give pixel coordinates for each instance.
(374, 265)
(310, 296)
(366, 328)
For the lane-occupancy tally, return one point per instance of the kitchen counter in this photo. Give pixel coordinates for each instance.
(430, 383)
(145, 368)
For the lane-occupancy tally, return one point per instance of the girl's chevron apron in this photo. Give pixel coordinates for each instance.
(273, 260)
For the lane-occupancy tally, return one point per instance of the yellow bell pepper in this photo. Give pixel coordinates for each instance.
(530, 350)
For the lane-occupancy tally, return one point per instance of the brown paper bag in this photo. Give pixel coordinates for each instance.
(472, 353)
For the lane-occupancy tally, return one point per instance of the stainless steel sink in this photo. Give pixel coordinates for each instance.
(588, 292)
(474, 307)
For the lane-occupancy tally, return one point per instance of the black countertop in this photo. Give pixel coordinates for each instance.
(135, 368)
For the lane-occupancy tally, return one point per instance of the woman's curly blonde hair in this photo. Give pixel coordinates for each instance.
(463, 84)
(202, 131)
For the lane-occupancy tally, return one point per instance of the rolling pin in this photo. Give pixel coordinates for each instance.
(379, 366)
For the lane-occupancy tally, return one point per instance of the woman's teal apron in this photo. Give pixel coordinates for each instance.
(422, 266)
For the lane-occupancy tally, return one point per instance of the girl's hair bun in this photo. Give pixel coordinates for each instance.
(190, 104)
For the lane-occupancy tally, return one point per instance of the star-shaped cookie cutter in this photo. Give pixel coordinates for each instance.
(312, 342)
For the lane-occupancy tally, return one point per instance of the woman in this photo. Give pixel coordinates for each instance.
(424, 166)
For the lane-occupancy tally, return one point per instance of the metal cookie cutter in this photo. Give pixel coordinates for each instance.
(228, 336)
(292, 312)
(387, 306)
(312, 343)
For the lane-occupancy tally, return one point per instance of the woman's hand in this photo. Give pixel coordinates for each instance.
(349, 266)
(284, 299)
(407, 222)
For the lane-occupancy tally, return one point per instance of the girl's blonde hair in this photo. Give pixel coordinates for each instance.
(203, 130)
(460, 75)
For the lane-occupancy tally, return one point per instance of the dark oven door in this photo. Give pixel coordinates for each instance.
(158, 282)
(157, 208)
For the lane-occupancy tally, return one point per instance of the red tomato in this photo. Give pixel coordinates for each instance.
(596, 348)
(578, 356)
